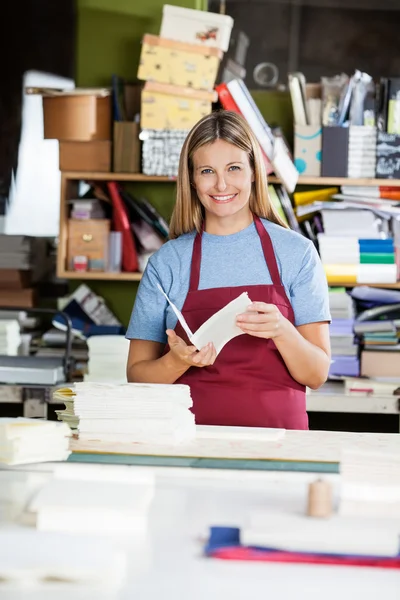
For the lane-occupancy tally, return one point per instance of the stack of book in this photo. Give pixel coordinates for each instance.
(345, 351)
(378, 329)
(353, 259)
(29, 440)
(131, 412)
(180, 68)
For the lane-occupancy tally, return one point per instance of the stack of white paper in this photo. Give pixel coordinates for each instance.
(92, 507)
(31, 440)
(132, 412)
(370, 483)
(10, 337)
(43, 561)
(107, 358)
(337, 535)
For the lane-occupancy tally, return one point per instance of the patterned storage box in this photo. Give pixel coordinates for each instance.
(187, 65)
(196, 27)
(161, 151)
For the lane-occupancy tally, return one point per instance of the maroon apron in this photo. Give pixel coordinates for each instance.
(249, 385)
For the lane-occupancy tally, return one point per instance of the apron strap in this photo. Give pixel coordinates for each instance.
(268, 250)
(267, 247)
(196, 262)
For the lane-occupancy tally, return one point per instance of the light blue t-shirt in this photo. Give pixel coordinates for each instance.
(229, 261)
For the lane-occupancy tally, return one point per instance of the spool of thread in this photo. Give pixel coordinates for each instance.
(319, 499)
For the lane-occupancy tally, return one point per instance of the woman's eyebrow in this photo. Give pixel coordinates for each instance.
(234, 162)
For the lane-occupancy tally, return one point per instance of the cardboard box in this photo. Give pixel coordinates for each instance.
(196, 27)
(308, 149)
(89, 238)
(81, 117)
(85, 156)
(14, 279)
(126, 147)
(25, 298)
(170, 107)
(176, 63)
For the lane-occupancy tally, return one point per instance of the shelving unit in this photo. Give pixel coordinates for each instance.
(69, 187)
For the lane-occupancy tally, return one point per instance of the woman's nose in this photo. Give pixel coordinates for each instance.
(221, 184)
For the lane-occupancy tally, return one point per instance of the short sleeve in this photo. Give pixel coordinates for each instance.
(148, 319)
(309, 290)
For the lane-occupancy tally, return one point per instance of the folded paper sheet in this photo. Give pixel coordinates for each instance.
(218, 329)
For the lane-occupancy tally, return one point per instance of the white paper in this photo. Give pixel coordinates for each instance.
(336, 535)
(178, 313)
(218, 329)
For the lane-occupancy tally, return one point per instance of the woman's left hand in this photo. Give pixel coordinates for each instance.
(262, 320)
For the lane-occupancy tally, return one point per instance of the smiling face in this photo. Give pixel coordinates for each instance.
(222, 177)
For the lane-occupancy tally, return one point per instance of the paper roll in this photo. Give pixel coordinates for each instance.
(319, 499)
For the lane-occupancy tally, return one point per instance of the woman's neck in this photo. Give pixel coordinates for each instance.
(227, 225)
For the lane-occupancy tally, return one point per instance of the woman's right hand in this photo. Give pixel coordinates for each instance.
(189, 355)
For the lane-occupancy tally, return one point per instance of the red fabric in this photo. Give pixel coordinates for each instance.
(252, 554)
(249, 384)
(121, 223)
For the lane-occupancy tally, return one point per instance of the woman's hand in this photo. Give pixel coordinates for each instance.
(263, 320)
(189, 355)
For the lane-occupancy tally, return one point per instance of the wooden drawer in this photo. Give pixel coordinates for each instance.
(89, 238)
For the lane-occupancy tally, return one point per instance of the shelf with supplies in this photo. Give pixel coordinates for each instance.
(105, 176)
(338, 181)
(303, 180)
(69, 183)
(69, 190)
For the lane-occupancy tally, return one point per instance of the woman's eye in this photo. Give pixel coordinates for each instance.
(206, 171)
(234, 168)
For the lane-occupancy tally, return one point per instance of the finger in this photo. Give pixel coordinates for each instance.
(262, 307)
(257, 318)
(201, 355)
(208, 357)
(262, 327)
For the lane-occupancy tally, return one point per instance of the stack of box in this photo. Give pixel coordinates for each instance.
(81, 120)
(180, 68)
(23, 262)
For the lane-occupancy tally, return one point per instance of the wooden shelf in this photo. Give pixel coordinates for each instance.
(337, 181)
(85, 175)
(139, 177)
(99, 276)
(393, 286)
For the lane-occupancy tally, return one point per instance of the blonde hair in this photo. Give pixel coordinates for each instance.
(188, 213)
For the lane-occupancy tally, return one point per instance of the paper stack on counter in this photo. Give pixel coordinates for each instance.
(218, 329)
(48, 561)
(370, 483)
(10, 337)
(130, 412)
(107, 501)
(107, 358)
(31, 440)
(337, 535)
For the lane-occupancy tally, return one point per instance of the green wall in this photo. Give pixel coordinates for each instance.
(109, 34)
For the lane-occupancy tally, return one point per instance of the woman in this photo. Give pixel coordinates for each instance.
(226, 238)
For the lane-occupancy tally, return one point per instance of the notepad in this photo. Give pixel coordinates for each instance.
(219, 329)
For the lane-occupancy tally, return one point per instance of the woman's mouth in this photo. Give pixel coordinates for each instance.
(222, 199)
